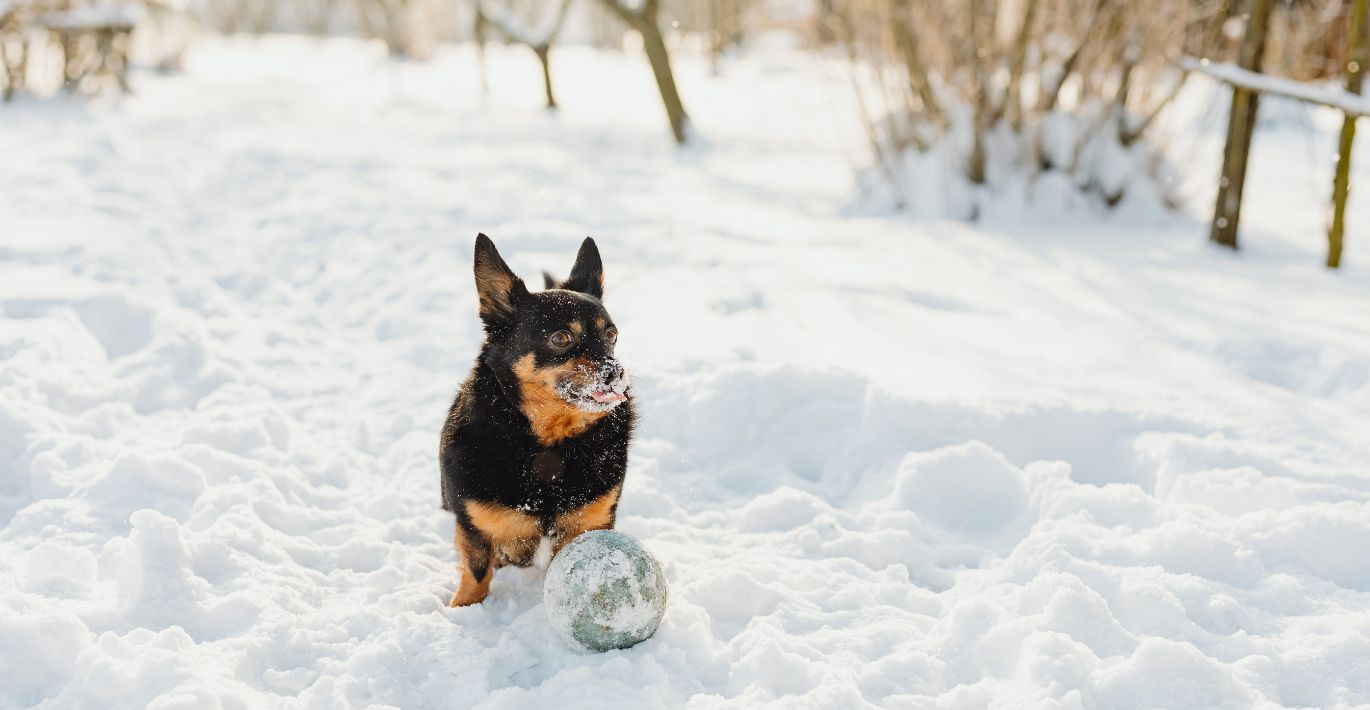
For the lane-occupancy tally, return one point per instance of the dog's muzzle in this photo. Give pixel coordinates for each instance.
(597, 388)
(615, 384)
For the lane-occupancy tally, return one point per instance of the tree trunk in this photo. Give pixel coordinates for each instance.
(478, 35)
(71, 60)
(906, 42)
(718, 35)
(655, 47)
(1359, 56)
(262, 23)
(15, 64)
(363, 19)
(515, 32)
(1049, 95)
(644, 20)
(544, 53)
(980, 36)
(1013, 104)
(1241, 123)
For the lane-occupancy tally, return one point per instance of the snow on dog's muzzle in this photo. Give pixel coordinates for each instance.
(598, 389)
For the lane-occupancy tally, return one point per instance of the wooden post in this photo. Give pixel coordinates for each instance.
(1357, 58)
(1241, 123)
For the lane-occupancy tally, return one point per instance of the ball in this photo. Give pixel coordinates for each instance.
(604, 590)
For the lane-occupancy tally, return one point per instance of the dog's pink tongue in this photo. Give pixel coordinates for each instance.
(607, 396)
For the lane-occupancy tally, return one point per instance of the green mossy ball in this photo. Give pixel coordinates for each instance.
(603, 591)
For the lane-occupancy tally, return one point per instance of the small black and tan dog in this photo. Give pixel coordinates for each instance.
(536, 444)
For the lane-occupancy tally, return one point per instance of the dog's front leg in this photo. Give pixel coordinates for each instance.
(477, 567)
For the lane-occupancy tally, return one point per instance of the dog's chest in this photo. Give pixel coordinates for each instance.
(548, 466)
(554, 481)
(554, 501)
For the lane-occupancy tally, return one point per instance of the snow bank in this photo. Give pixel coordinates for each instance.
(882, 464)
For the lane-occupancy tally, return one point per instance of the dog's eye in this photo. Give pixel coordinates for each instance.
(611, 336)
(560, 340)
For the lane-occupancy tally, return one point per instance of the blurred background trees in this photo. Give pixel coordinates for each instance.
(1017, 87)
(1028, 97)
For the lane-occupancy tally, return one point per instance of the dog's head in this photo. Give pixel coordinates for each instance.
(558, 344)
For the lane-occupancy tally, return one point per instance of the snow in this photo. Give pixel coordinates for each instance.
(1055, 458)
(598, 391)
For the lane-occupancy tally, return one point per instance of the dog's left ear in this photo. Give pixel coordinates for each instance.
(499, 290)
(587, 276)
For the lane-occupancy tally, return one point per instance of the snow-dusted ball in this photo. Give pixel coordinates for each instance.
(604, 590)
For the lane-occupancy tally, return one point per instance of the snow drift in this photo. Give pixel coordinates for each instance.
(883, 464)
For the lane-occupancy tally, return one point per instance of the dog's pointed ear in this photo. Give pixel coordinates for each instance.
(549, 281)
(587, 276)
(500, 291)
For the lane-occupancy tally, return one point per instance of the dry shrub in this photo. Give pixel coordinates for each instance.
(1036, 96)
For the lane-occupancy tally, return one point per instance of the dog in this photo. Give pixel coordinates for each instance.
(535, 447)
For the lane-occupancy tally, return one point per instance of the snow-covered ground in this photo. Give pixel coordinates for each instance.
(1046, 460)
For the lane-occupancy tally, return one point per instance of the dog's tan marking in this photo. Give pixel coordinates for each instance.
(510, 538)
(501, 524)
(577, 327)
(471, 590)
(552, 418)
(517, 552)
(600, 323)
(598, 514)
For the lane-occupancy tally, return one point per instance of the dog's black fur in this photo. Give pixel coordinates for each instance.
(524, 455)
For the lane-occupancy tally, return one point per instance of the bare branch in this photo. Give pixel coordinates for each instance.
(1231, 74)
(513, 28)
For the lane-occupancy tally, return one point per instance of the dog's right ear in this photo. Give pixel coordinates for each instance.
(500, 291)
(587, 276)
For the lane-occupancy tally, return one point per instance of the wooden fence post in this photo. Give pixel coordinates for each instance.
(1241, 123)
(1357, 58)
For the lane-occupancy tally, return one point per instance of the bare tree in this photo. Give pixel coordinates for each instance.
(725, 23)
(314, 15)
(398, 23)
(1250, 81)
(641, 15)
(915, 65)
(1241, 125)
(1355, 80)
(511, 26)
(13, 51)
